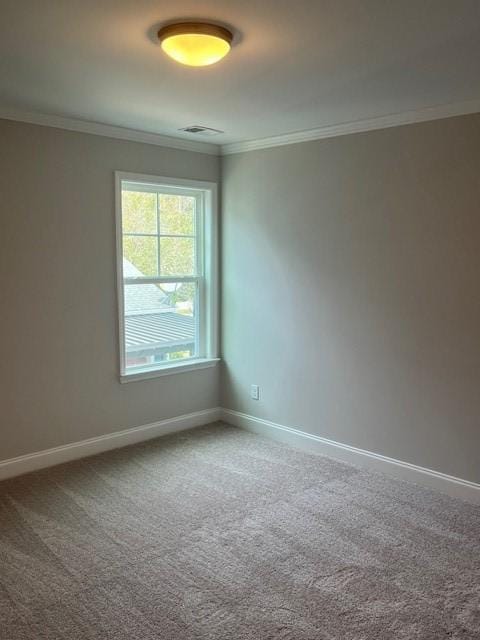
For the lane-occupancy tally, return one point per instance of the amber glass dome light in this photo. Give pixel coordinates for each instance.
(196, 44)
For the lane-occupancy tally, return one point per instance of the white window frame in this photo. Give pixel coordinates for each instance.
(207, 312)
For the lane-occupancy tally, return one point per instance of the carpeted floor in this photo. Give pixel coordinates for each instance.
(216, 533)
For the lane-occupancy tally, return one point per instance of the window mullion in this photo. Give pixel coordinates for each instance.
(135, 234)
(159, 264)
(162, 279)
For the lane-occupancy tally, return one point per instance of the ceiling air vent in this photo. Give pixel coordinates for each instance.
(201, 131)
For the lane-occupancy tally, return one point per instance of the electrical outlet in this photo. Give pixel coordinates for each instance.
(254, 392)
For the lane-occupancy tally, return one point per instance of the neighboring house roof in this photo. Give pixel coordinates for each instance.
(141, 299)
(151, 323)
(158, 331)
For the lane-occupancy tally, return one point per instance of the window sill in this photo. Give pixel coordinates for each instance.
(170, 369)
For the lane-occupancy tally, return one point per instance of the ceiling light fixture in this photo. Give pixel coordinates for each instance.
(196, 44)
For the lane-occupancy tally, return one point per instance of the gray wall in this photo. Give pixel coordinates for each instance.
(58, 320)
(351, 290)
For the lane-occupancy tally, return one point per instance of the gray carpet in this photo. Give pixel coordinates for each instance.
(216, 533)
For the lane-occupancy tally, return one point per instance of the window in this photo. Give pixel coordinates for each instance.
(167, 281)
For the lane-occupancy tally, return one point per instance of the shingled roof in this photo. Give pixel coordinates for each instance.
(151, 323)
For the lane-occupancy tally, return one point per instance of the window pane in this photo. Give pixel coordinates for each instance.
(139, 212)
(177, 215)
(140, 255)
(177, 256)
(159, 323)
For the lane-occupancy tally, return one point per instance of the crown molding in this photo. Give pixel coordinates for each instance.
(358, 126)
(109, 131)
(330, 131)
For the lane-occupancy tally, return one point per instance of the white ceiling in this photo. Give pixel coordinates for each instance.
(296, 64)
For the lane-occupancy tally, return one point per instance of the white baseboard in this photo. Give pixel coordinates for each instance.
(65, 453)
(456, 487)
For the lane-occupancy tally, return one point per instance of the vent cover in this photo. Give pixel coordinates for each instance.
(201, 131)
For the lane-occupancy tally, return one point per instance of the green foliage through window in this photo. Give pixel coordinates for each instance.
(158, 233)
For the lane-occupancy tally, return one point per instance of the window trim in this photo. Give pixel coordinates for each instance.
(208, 284)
